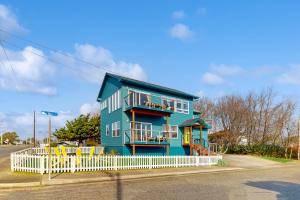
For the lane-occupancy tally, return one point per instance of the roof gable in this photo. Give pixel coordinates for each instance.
(130, 81)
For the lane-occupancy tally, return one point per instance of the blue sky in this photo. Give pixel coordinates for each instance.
(208, 48)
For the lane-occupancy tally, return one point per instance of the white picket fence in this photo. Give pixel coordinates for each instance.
(39, 163)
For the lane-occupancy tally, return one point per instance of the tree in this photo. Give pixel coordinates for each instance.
(11, 137)
(81, 128)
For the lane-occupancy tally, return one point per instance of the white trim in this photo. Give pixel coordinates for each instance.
(109, 104)
(170, 128)
(134, 96)
(147, 123)
(118, 127)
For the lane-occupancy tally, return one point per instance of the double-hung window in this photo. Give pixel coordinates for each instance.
(103, 105)
(169, 103)
(172, 130)
(138, 98)
(182, 106)
(116, 129)
(114, 101)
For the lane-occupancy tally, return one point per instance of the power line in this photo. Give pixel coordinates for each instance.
(47, 58)
(104, 68)
(9, 63)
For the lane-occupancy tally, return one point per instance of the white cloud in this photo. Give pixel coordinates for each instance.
(291, 76)
(9, 21)
(102, 60)
(226, 70)
(179, 14)
(26, 72)
(217, 73)
(181, 32)
(212, 79)
(88, 108)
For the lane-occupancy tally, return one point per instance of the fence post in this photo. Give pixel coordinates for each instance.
(198, 161)
(150, 162)
(42, 165)
(12, 162)
(73, 164)
(115, 163)
(176, 161)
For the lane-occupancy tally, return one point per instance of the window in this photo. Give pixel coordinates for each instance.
(114, 101)
(107, 130)
(142, 130)
(173, 131)
(182, 106)
(169, 103)
(138, 98)
(103, 105)
(116, 129)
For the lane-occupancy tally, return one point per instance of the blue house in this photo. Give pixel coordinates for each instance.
(140, 118)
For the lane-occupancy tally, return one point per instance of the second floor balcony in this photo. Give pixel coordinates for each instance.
(148, 104)
(147, 137)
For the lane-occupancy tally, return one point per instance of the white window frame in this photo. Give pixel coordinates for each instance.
(114, 102)
(107, 130)
(181, 109)
(109, 105)
(170, 130)
(137, 92)
(138, 122)
(115, 127)
(168, 99)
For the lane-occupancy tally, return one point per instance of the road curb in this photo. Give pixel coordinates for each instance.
(113, 178)
(132, 177)
(19, 185)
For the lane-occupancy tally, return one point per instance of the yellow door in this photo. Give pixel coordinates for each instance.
(187, 133)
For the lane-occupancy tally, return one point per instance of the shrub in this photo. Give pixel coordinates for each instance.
(258, 149)
(222, 163)
(114, 152)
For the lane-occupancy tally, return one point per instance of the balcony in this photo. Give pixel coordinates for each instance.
(145, 137)
(148, 104)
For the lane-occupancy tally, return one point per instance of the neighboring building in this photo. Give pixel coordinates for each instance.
(143, 118)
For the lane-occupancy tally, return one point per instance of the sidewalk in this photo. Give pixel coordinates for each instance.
(30, 180)
(81, 177)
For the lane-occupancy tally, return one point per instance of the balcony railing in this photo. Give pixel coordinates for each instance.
(137, 136)
(148, 101)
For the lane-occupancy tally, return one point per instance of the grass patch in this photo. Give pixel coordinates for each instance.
(281, 160)
(222, 163)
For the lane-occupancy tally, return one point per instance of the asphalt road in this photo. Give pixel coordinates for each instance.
(264, 184)
(6, 150)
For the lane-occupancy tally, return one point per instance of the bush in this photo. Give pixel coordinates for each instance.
(53, 144)
(258, 149)
(91, 143)
(114, 152)
(222, 163)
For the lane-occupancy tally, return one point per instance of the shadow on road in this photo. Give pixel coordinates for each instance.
(286, 190)
(119, 189)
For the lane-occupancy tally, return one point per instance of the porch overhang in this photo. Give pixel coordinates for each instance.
(196, 122)
(144, 110)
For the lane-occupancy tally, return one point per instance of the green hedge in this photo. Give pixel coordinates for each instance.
(260, 149)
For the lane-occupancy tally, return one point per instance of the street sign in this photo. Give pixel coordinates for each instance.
(49, 113)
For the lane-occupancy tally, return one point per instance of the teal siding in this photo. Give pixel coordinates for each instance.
(110, 88)
(111, 85)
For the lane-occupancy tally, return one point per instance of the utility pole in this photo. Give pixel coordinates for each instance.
(1, 132)
(49, 142)
(33, 128)
(49, 114)
(299, 139)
